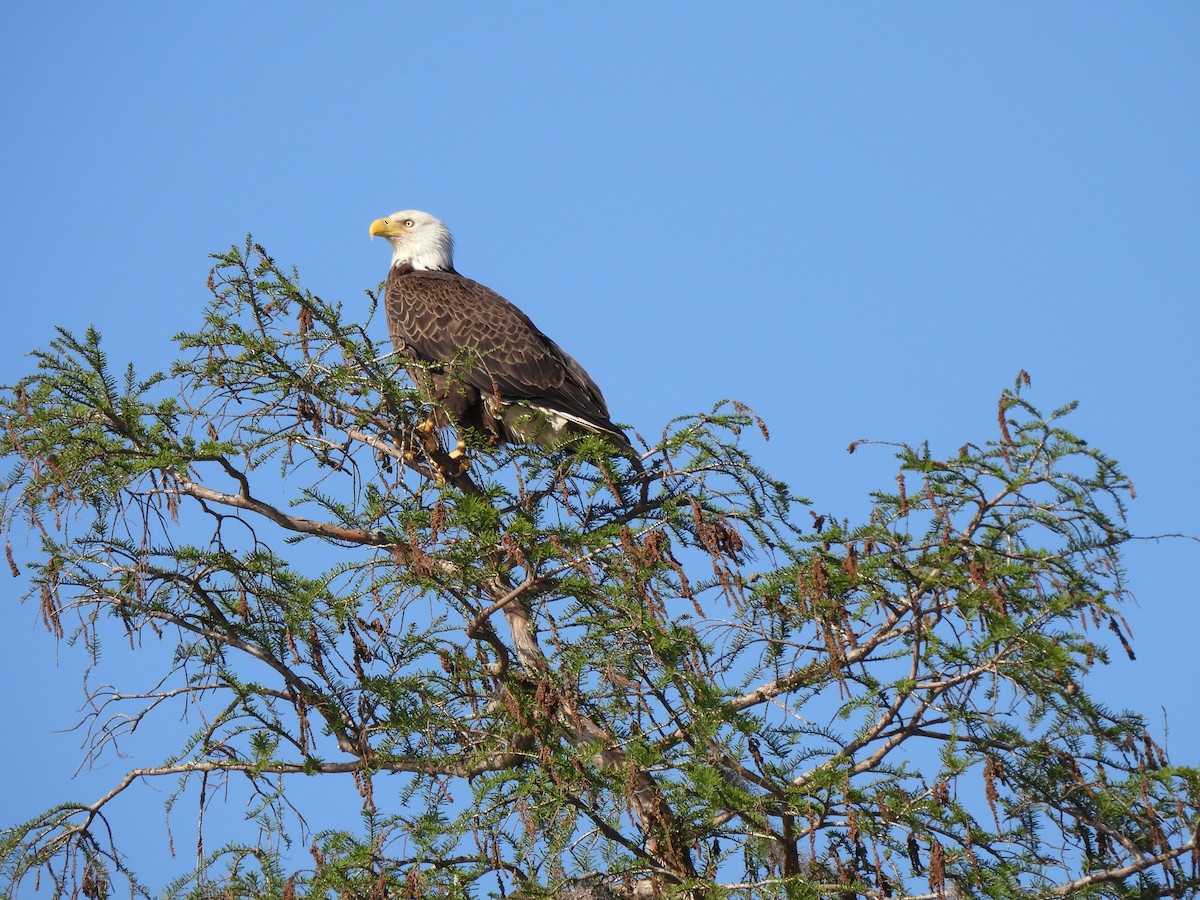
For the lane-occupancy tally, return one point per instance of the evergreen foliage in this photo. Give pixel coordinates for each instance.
(556, 672)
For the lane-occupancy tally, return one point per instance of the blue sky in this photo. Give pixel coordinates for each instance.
(861, 219)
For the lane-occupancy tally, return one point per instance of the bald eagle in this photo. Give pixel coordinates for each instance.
(482, 360)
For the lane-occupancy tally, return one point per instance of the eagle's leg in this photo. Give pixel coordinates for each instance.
(458, 460)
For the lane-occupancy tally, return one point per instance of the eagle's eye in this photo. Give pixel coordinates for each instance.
(408, 223)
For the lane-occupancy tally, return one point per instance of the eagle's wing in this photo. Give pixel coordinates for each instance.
(436, 316)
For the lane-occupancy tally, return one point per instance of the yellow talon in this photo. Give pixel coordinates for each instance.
(428, 434)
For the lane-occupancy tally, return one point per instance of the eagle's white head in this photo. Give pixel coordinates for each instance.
(417, 238)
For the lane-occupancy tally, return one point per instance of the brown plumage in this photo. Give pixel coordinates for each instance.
(483, 361)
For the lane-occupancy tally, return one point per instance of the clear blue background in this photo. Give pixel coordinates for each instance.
(862, 219)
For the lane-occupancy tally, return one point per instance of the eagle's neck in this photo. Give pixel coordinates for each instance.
(436, 254)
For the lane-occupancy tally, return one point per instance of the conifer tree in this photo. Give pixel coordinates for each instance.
(559, 674)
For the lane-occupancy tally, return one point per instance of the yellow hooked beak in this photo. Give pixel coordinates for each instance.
(384, 227)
